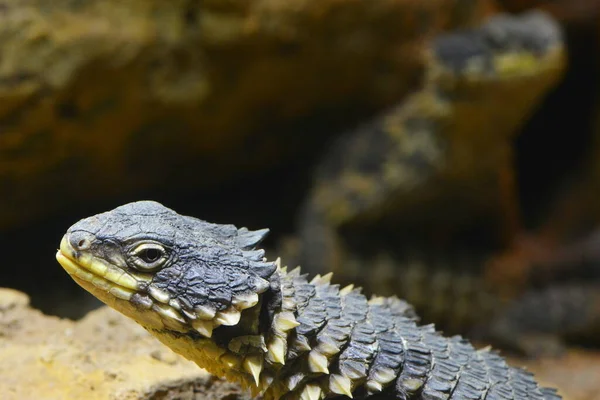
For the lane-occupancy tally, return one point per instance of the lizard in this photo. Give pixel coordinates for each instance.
(208, 292)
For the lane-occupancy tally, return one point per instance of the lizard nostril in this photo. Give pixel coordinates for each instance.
(80, 240)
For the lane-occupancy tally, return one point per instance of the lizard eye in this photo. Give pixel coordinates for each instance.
(148, 256)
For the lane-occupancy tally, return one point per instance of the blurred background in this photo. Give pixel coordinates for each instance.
(445, 151)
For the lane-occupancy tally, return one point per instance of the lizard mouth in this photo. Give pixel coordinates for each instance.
(87, 268)
(120, 289)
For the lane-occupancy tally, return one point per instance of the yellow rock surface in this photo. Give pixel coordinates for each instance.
(103, 356)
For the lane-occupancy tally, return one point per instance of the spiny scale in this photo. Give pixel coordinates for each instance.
(342, 343)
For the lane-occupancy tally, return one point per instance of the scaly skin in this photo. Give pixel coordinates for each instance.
(207, 293)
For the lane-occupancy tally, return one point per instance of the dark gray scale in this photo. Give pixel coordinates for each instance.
(524, 385)
(533, 389)
(304, 291)
(474, 380)
(287, 304)
(518, 386)
(496, 366)
(353, 309)
(391, 349)
(417, 359)
(336, 330)
(444, 375)
(311, 316)
(287, 285)
(500, 377)
(356, 358)
(328, 334)
(288, 292)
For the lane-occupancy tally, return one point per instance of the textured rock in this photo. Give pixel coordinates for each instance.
(105, 98)
(103, 356)
(108, 356)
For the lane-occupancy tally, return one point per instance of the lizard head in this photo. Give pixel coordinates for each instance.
(168, 271)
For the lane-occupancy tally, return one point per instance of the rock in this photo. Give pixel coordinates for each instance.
(103, 356)
(108, 356)
(103, 99)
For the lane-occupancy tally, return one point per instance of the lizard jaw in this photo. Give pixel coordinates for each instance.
(117, 288)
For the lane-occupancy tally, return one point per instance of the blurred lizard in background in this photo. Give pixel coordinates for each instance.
(418, 201)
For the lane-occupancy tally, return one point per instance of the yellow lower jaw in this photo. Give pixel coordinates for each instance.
(114, 288)
(89, 265)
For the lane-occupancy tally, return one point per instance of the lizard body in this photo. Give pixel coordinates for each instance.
(206, 292)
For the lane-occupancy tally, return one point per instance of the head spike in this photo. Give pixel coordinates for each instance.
(374, 386)
(175, 304)
(285, 321)
(340, 384)
(384, 375)
(301, 344)
(261, 285)
(228, 317)
(204, 328)
(253, 365)
(318, 362)
(346, 290)
(311, 392)
(328, 345)
(168, 312)
(276, 350)
(325, 279)
(189, 315)
(376, 301)
(205, 312)
(159, 294)
(244, 301)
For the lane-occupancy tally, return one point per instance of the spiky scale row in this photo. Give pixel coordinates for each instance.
(387, 362)
(350, 345)
(283, 321)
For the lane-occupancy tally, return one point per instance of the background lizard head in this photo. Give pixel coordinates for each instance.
(167, 270)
